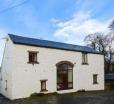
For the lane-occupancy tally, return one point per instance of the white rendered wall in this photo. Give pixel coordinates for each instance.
(6, 70)
(26, 77)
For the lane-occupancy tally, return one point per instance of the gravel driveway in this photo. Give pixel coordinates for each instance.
(98, 97)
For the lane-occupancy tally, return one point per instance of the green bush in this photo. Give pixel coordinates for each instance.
(36, 94)
(82, 90)
(55, 93)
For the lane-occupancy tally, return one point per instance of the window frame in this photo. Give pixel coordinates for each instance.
(84, 58)
(43, 81)
(95, 78)
(6, 85)
(66, 70)
(35, 53)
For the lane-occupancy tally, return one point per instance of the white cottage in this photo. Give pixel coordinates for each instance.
(33, 65)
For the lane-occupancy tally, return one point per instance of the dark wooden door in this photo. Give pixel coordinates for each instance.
(63, 79)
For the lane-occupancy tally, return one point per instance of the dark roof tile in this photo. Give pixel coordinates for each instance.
(50, 44)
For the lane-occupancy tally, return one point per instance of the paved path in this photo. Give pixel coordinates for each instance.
(75, 98)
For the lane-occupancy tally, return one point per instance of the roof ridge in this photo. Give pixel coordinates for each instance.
(49, 41)
(16, 39)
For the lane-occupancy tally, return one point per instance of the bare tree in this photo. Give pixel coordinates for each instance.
(110, 37)
(98, 41)
(111, 26)
(102, 43)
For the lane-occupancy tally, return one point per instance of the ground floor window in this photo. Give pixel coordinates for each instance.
(95, 79)
(43, 85)
(64, 76)
(6, 85)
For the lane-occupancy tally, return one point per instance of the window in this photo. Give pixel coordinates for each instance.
(95, 79)
(6, 85)
(32, 57)
(64, 76)
(43, 85)
(84, 58)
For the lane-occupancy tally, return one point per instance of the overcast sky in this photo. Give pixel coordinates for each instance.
(59, 20)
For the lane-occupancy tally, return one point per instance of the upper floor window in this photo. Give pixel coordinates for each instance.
(84, 58)
(32, 57)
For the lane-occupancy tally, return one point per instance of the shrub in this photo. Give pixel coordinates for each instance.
(55, 93)
(36, 94)
(82, 90)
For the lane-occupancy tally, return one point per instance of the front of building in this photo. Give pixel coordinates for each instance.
(29, 68)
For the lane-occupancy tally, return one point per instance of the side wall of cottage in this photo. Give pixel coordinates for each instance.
(6, 70)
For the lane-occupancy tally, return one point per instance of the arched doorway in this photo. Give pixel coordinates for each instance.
(64, 75)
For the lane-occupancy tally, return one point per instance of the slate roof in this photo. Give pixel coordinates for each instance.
(49, 44)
